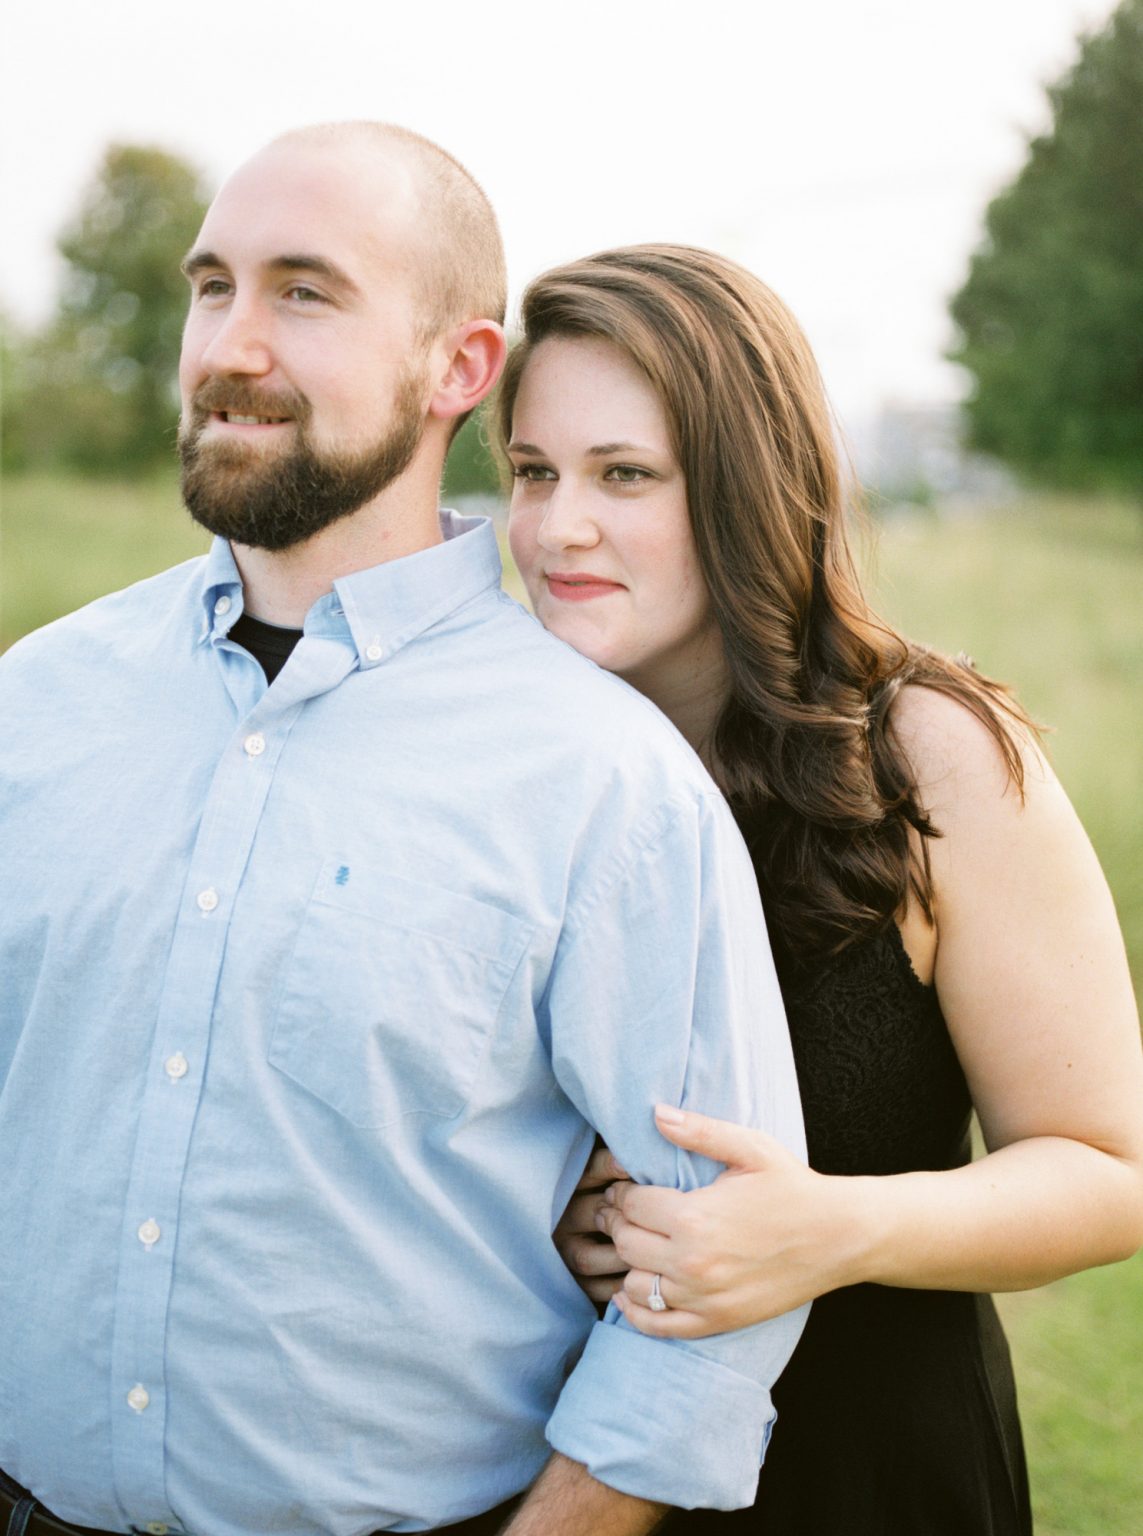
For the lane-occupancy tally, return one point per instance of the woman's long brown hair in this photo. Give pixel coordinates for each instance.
(804, 746)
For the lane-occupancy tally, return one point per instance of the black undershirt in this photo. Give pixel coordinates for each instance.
(269, 644)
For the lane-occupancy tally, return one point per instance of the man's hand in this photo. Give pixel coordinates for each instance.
(590, 1255)
(566, 1500)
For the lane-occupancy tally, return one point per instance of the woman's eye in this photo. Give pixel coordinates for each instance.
(626, 474)
(532, 472)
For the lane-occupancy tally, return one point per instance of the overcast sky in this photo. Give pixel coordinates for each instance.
(843, 149)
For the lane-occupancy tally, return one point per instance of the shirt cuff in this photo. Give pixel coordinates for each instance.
(656, 1420)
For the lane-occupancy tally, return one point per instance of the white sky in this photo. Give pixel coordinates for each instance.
(843, 149)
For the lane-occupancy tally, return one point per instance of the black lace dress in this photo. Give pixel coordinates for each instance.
(897, 1414)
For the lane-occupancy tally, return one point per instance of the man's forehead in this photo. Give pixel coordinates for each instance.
(356, 203)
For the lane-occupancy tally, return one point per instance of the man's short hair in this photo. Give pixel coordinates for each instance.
(461, 268)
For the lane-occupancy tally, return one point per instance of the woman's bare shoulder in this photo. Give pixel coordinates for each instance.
(1029, 967)
(958, 763)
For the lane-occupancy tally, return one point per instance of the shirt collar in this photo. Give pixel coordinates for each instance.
(385, 606)
(221, 591)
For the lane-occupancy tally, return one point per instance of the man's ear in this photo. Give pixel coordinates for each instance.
(474, 355)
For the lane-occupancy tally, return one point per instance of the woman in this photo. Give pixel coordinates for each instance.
(943, 933)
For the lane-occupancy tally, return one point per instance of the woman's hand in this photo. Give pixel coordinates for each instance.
(585, 1250)
(768, 1235)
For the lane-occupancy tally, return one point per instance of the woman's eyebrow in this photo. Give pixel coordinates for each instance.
(600, 451)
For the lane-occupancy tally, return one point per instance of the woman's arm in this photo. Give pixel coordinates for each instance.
(1033, 982)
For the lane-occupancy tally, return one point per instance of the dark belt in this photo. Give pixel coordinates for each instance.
(21, 1515)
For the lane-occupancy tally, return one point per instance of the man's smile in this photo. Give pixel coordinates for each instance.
(242, 424)
(233, 419)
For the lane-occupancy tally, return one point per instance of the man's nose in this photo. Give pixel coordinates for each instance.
(567, 522)
(239, 343)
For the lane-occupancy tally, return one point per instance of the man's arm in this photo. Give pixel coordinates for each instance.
(663, 991)
(566, 1500)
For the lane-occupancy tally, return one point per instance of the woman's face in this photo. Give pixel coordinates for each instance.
(599, 525)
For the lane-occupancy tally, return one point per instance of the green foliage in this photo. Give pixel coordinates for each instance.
(96, 388)
(1051, 314)
(470, 469)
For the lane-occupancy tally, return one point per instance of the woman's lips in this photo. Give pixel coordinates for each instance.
(572, 588)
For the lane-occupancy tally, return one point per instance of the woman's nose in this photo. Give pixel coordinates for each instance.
(567, 522)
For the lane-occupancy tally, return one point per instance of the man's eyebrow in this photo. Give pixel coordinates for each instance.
(320, 266)
(290, 261)
(199, 261)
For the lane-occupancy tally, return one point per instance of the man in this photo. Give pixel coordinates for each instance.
(315, 994)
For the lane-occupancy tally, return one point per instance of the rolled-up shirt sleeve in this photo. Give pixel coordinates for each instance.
(664, 990)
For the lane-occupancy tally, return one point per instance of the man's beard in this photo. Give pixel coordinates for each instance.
(279, 499)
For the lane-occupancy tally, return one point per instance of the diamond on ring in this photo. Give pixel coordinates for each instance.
(655, 1300)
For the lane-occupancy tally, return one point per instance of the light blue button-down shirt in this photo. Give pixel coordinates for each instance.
(313, 998)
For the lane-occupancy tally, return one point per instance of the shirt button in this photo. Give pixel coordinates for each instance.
(138, 1398)
(223, 605)
(373, 652)
(150, 1232)
(156, 1528)
(176, 1066)
(254, 745)
(207, 900)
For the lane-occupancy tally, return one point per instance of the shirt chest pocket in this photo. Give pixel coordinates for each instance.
(392, 994)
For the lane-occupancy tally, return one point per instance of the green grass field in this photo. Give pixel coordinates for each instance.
(1049, 598)
(64, 542)
(1044, 596)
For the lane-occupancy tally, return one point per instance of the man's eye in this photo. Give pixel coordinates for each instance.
(213, 288)
(306, 295)
(532, 472)
(626, 474)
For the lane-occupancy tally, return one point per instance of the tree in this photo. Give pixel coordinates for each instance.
(1051, 314)
(96, 388)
